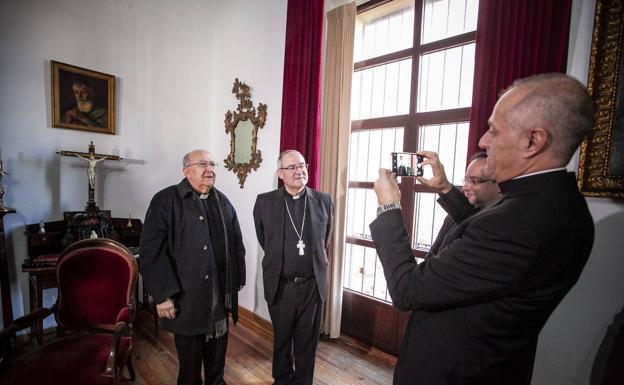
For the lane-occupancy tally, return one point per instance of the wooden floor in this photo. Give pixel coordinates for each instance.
(338, 362)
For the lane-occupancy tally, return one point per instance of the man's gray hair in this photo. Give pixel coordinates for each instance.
(187, 158)
(557, 103)
(285, 152)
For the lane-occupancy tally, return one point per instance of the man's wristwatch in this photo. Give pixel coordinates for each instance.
(388, 206)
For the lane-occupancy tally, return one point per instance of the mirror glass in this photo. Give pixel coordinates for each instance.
(243, 125)
(243, 135)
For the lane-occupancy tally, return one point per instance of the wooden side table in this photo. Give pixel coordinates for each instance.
(39, 279)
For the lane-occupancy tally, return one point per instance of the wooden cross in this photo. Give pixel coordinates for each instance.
(92, 159)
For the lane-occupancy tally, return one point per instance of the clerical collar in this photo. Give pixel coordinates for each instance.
(296, 196)
(204, 196)
(540, 172)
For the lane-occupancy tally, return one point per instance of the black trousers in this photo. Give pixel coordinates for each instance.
(192, 351)
(296, 318)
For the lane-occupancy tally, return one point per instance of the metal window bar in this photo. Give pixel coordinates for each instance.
(461, 65)
(362, 269)
(465, 14)
(448, 9)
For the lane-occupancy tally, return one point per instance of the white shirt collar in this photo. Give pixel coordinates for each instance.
(540, 172)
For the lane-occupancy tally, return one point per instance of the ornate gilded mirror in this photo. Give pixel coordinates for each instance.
(243, 125)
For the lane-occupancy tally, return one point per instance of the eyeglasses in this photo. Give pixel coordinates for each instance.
(474, 181)
(295, 167)
(203, 164)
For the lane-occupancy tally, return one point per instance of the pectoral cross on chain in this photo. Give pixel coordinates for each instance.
(300, 246)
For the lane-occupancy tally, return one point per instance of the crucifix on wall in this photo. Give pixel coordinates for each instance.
(92, 159)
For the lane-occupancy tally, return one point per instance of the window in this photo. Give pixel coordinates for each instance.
(412, 89)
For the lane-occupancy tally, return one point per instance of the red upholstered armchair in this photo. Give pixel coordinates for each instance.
(96, 281)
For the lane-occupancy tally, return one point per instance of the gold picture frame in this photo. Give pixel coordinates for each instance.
(82, 99)
(601, 162)
(242, 125)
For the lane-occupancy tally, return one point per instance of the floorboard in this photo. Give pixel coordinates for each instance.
(339, 362)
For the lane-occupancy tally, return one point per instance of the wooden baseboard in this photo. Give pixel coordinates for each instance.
(254, 321)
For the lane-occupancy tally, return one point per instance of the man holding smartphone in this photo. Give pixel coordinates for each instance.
(479, 304)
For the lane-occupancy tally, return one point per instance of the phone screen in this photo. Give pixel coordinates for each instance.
(407, 164)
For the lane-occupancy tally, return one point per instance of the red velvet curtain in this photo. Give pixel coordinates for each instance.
(515, 39)
(301, 95)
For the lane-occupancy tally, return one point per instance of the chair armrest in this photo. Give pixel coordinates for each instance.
(126, 314)
(27, 320)
(121, 328)
(17, 325)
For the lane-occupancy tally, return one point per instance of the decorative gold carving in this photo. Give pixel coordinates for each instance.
(244, 155)
(594, 178)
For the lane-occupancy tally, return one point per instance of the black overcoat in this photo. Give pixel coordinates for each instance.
(176, 256)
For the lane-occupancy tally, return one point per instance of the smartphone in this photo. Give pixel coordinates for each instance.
(407, 164)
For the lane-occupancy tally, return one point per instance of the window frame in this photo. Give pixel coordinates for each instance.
(411, 121)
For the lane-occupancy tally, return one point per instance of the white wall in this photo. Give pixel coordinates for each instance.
(250, 46)
(175, 63)
(577, 338)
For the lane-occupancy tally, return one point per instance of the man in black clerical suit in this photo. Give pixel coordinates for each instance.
(293, 225)
(477, 192)
(479, 304)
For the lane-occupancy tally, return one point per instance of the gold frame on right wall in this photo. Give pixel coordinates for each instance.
(601, 163)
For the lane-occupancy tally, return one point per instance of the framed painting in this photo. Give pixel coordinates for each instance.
(601, 163)
(82, 99)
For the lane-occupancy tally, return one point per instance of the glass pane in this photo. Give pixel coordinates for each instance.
(370, 150)
(450, 141)
(381, 91)
(364, 273)
(384, 29)
(381, 291)
(356, 83)
(370, 258)
(370, 212)
(446, 18)
(361, 211)
(445, 79)
(354, 266)
(429, 217)
(374, 154)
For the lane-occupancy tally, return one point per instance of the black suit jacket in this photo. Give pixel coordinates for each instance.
(479, 306)
(269, 212)
(458, 208)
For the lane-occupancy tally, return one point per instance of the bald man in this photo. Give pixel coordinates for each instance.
(193, 264)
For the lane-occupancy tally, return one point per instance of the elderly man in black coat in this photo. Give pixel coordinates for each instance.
(479, 304)
(193, 263)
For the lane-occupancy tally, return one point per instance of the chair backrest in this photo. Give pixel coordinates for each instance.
(96, 280)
